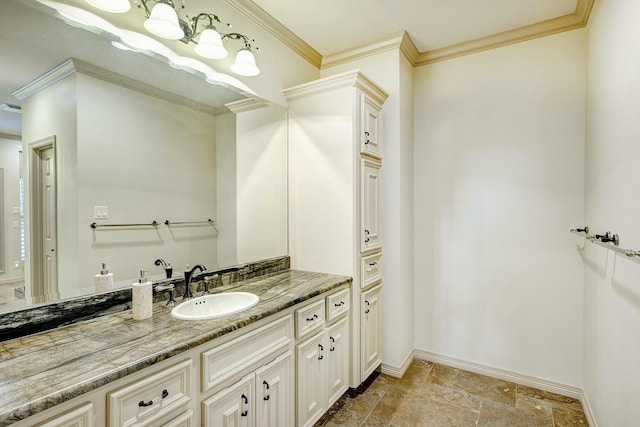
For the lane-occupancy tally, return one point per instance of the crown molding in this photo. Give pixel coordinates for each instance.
(275, 28)
(403, 42)
(47, 79)
(575, 20)
(245, 105)
(352, 78)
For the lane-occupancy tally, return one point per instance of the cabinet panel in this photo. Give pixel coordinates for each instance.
(338, 304)
(274, 394)
(311, 392)
(370, 200)
(370, 134)
(370, 269)
(231, 407)
(370, 331)
(338, 363)
(143, 402)
(79, 417)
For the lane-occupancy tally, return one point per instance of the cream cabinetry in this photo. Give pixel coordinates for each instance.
(336, 172)
(371, 323)
(262, 398)
(81, 416)
(323, 361)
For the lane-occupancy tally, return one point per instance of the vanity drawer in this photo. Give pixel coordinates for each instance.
(370, 269)
(225, 364)
(310, 318)
(147, 401)
(338, 304)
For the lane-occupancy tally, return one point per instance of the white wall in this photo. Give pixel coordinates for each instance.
(498, 182)
(261, 171)
(9, 152)
(53, 112)
(612, 290)
(227, 189)
(392, 72)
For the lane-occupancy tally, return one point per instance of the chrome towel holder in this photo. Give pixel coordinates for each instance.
(607, 240)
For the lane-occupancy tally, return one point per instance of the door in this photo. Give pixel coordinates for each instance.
(312, 377)
(370, 333)
(44, 257)
(231, 407)
(338, 363)
(370, 205)
(274, 393)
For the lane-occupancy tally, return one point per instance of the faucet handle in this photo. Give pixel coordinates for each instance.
(171, 288)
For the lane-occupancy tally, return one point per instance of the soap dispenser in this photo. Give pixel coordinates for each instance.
(142, 298)
(104, 280)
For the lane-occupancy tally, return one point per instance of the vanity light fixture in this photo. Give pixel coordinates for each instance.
(113, 6)
(163, 20)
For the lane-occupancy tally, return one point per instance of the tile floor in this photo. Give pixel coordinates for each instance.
(430, 394)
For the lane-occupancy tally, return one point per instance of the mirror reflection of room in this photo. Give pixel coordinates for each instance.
(111, 155)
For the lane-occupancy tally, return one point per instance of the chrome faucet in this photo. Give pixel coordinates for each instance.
(188, 275)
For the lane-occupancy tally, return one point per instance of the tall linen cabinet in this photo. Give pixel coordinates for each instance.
(335, 208)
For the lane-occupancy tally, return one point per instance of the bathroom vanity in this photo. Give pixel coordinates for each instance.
(246, 368)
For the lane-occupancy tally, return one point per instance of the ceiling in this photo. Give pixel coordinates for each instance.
(332, 27)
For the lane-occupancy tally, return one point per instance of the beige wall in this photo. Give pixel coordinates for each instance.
(498, 182)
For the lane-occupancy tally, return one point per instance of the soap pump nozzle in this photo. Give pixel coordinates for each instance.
(143, 277)
(104, 270)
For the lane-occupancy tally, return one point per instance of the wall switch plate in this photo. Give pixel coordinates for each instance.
(100, 212)
(16, 210)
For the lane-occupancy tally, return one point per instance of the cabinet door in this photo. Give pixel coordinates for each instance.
(231, 407)
(371, 328)
(370, 137)
(274, 394)
(338, 366)
(370, 205)
(312, 379)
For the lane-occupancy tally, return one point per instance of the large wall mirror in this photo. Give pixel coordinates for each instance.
(101, 146)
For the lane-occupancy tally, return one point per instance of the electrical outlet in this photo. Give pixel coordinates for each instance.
(100, 212)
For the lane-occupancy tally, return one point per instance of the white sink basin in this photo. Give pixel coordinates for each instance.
(215, 305)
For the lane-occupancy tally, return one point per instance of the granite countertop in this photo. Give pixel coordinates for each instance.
(46, 369)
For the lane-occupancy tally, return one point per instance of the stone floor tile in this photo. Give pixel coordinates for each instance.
(533, 405)
(405, 408)
(415, 375)
(495, 414)
(475, 384)
(449, 396)
(563, 417)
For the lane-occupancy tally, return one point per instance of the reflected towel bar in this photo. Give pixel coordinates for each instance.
(609, 241)
(207, 222)
(151, 224)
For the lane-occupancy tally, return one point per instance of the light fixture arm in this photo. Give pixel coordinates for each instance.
(247, 42)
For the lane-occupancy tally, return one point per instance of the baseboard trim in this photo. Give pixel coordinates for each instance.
(398, 371)
(522, 379)
(588, 411)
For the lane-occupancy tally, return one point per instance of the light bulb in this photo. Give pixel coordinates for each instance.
(113, 6)
(210, 45)
(245, 63)
(163, 22)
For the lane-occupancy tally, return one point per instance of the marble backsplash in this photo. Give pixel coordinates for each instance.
(41, 318)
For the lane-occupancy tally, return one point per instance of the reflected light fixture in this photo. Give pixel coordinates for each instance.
(113, 6)
(167, 21)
